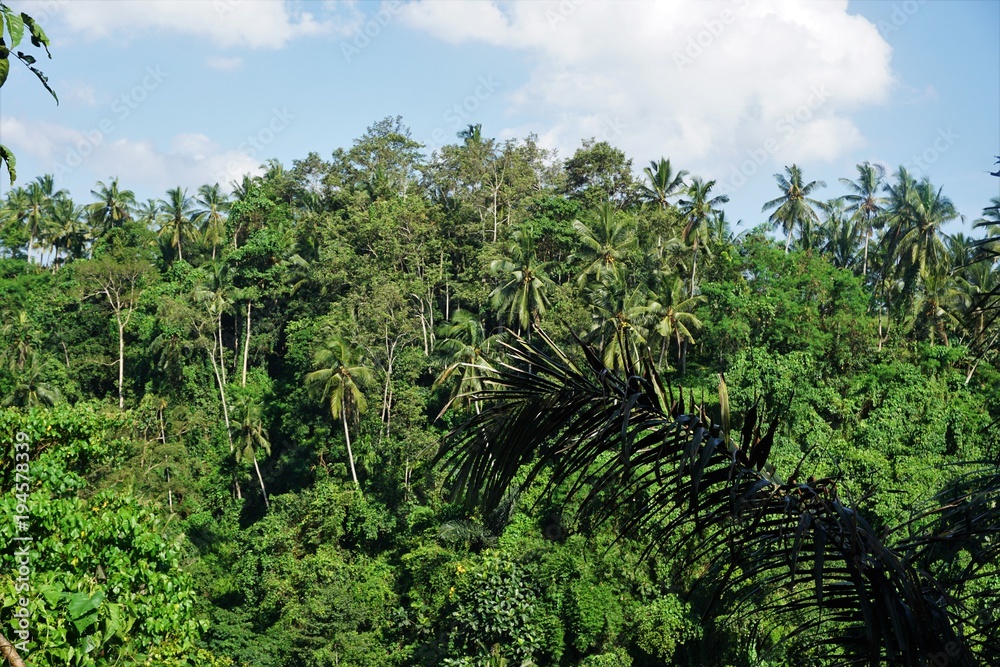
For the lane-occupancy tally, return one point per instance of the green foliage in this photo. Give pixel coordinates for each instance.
(372, 298)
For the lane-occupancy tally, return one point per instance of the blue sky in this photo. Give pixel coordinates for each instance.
(163, 93)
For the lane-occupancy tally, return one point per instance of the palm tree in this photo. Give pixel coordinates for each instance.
(621, 321)
(12, 220)
(698, 210)
(766, 550)
(466, 342)
(39, 199)
(675, 311)
(663, 183)
(113, 207)
(211, 216)
(937, 306)
(339, 380)
(520, 299)
(918, 211)
(793, 207)
(841, 234)
(865, 201)
(472, 134)
(30, 390)
(250, 435)
(175, 219)
(148, 212)
(70, 230)
(604, 244)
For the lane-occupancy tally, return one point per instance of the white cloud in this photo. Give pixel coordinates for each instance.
(701, 82)
(224, 63)
(190, 160)
(83, 94)
(225, 23)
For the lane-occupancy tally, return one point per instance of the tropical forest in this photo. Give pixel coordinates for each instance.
(486, 405)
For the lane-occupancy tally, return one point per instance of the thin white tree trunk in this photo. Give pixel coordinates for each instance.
(246, 348)
(222, 396)
(350, 453)
(260, 479)
(121, 363)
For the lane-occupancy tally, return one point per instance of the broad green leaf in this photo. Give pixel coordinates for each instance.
(80, 604)
(4, 69)
(15, 26)
(85, 622)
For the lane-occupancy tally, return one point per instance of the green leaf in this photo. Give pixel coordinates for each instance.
(38, 36)
(80, 604)
(4, 69)
(15, 26)
(85, 622)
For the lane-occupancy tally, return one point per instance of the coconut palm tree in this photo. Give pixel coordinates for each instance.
(622, 319)
(917, 213)
(113, 207)
(698, 209)
(339, 380)
(148, 213)
(840, 234)
(864, 201)
(250, 435)
(466, 342)
(30, 389)
(39, 198)
(521, 297)
(785, 554)
(675, 311)
(176, 222)
(663, 183)
(211, 216)
(794, 206)
(604, 244)
(70, 230)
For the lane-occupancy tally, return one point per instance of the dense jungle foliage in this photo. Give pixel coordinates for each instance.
(233, 405)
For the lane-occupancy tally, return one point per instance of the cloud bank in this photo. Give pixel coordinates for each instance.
(709, 83)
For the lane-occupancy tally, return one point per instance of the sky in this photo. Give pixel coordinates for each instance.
(162, 93)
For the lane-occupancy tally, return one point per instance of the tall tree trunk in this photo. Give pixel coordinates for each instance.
(121, 363)
(350, 453)
(694, 263)
(260, 479)
(222, 350)
(246, 348)
(788, 241)
(222, 396)
(864, 266)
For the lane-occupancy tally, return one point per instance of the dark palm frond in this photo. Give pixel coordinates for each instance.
(663, 469)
